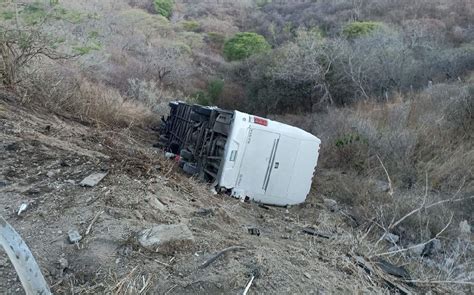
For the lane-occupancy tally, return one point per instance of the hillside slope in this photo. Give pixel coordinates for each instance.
(45, 156)
(388, 86)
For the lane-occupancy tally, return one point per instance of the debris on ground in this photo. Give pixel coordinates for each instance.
(93, 179)
(392, 269)
(383, 271)
(314, 232)
(22, 208)
(254, 231)
(137, 198)
(74, 236)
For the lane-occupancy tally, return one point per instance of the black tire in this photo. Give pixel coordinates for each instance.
(190, 168)
(205, 111)
(186, 155)
(174, 147)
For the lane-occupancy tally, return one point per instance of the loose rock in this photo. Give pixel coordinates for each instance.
(382, 186)
(417, 249)
(464, 227)
(93, 179)
(155, 203)
(166, 238)
(431, 248)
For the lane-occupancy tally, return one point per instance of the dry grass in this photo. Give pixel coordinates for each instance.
(65, 92)
(425, 142)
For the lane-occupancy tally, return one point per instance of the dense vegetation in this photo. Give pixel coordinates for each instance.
(387, 84)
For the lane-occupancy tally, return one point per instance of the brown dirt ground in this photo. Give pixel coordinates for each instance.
(109, 260)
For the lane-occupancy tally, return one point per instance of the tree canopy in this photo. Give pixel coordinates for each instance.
(243, 45)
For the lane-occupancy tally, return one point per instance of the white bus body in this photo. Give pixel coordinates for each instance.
(248, 156)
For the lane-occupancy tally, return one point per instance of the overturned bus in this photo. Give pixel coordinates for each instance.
(244, 155)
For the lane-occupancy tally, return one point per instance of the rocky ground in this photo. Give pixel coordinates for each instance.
(147, 228)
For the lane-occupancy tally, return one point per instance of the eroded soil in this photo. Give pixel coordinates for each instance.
(44, 157)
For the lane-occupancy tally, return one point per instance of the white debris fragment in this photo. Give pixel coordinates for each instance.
(74, 236)
(22, 208)
(93, 179)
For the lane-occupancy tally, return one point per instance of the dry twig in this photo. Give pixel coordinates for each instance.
(390, 192)
(219, 254)
(89, 228)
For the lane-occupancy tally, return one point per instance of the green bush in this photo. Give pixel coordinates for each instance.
(243, 45)
(191, 25)
(215, 89)
(357, 29)
(164, 7)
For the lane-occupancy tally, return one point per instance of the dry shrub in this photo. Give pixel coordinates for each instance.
(231, 97)
(424, 141)
(106, 106)
(226, 28)
(429, 132)
(143, 4)
(62, 90)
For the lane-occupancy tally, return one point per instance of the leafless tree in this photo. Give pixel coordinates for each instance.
(21, 43)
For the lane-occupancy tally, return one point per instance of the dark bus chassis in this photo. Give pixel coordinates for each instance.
(199, 135)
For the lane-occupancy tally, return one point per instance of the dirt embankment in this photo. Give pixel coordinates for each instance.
(45, 157)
